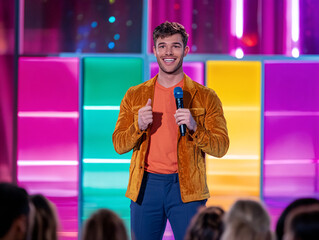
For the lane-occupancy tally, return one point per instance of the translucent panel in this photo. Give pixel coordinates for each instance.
(7, 100)
(105, 173)
(48, 151)
(291, 129)
(106, 80)
(237, 174)
(55, 26)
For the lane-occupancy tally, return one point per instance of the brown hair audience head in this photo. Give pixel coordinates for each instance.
(104, 224)
(168, 29)
(247, 220)
(45, 222)
(206, 224)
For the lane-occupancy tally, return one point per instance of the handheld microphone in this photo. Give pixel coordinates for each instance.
(178, 94)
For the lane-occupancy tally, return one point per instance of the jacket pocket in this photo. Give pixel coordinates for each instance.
(198, 115)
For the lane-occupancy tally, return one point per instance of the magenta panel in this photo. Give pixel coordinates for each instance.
(52, 84)
(291, 132)
(48, 127)
(195, 70)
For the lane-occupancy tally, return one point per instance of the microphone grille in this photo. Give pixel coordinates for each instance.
(178, 92)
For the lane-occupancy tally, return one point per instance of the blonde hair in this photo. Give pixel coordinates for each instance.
(247, 220)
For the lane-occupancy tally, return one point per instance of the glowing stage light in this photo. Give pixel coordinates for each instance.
(101, 107)
(112, 19)
(239, 18)
(101, 160)
(239, 53)
(47, 163)
(94, 24)
(111, 45)
(295, 52)
(295, 21)
(117, 36)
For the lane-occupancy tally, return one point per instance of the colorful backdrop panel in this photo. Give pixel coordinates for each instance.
(48, 120)
(291, 129)
(105, 172)
(238, 85)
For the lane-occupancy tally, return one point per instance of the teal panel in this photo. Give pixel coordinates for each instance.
(106, 80)
(104, 186)
(98, 127)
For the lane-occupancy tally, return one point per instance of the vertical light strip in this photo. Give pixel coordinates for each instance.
(295, 20)
(295, 28)
(239, 18)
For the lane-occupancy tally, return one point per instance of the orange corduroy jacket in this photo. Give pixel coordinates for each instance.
(210, 137)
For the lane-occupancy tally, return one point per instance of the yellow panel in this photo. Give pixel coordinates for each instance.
(238, 85)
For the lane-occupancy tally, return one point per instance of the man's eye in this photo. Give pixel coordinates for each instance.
(161, 46)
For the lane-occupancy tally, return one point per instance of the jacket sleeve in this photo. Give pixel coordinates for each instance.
(212, 135)
(126, 134)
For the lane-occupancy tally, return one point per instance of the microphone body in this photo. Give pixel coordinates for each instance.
(178, 94)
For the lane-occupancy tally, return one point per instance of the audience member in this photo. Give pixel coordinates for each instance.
(247, 220)
(45, 222)
(302, 225)
(14, 210)
(207, 224)
(104, 224)
(298, 203)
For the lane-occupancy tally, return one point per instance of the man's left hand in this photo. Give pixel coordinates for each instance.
(184, 116)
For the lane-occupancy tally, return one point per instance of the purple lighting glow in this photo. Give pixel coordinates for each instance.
(290, 131)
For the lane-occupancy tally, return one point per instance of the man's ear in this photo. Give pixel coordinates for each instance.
(154, 50)
(186, 51)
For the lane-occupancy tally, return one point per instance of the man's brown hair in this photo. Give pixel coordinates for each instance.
(167, 29)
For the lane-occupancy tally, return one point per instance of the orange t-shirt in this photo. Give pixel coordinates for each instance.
(162, 151)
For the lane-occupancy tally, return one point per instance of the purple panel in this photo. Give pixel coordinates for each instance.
(48, 121)
(195, 70)
(291, 130)
(7, 92)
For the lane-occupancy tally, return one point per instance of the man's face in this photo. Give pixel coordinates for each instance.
(169, 52)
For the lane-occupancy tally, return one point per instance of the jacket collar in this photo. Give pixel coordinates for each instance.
(189, 89)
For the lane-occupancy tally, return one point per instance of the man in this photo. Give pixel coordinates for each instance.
(168, 171)
(14, 211)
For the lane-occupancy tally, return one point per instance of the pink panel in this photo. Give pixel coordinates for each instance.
(48, 122)
(48, 138)
(48, 84)
(195, 70)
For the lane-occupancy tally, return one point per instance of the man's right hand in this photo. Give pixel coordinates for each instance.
(145, 115)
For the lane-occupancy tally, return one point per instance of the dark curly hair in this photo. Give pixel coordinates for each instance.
(206, 224)
(168, 29)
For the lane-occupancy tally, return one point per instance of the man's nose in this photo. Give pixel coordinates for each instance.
(168, 51)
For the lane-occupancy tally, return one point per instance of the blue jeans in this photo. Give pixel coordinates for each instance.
(160, 199)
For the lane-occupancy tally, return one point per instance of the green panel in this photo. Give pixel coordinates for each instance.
(106, 80)
(98, 127)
